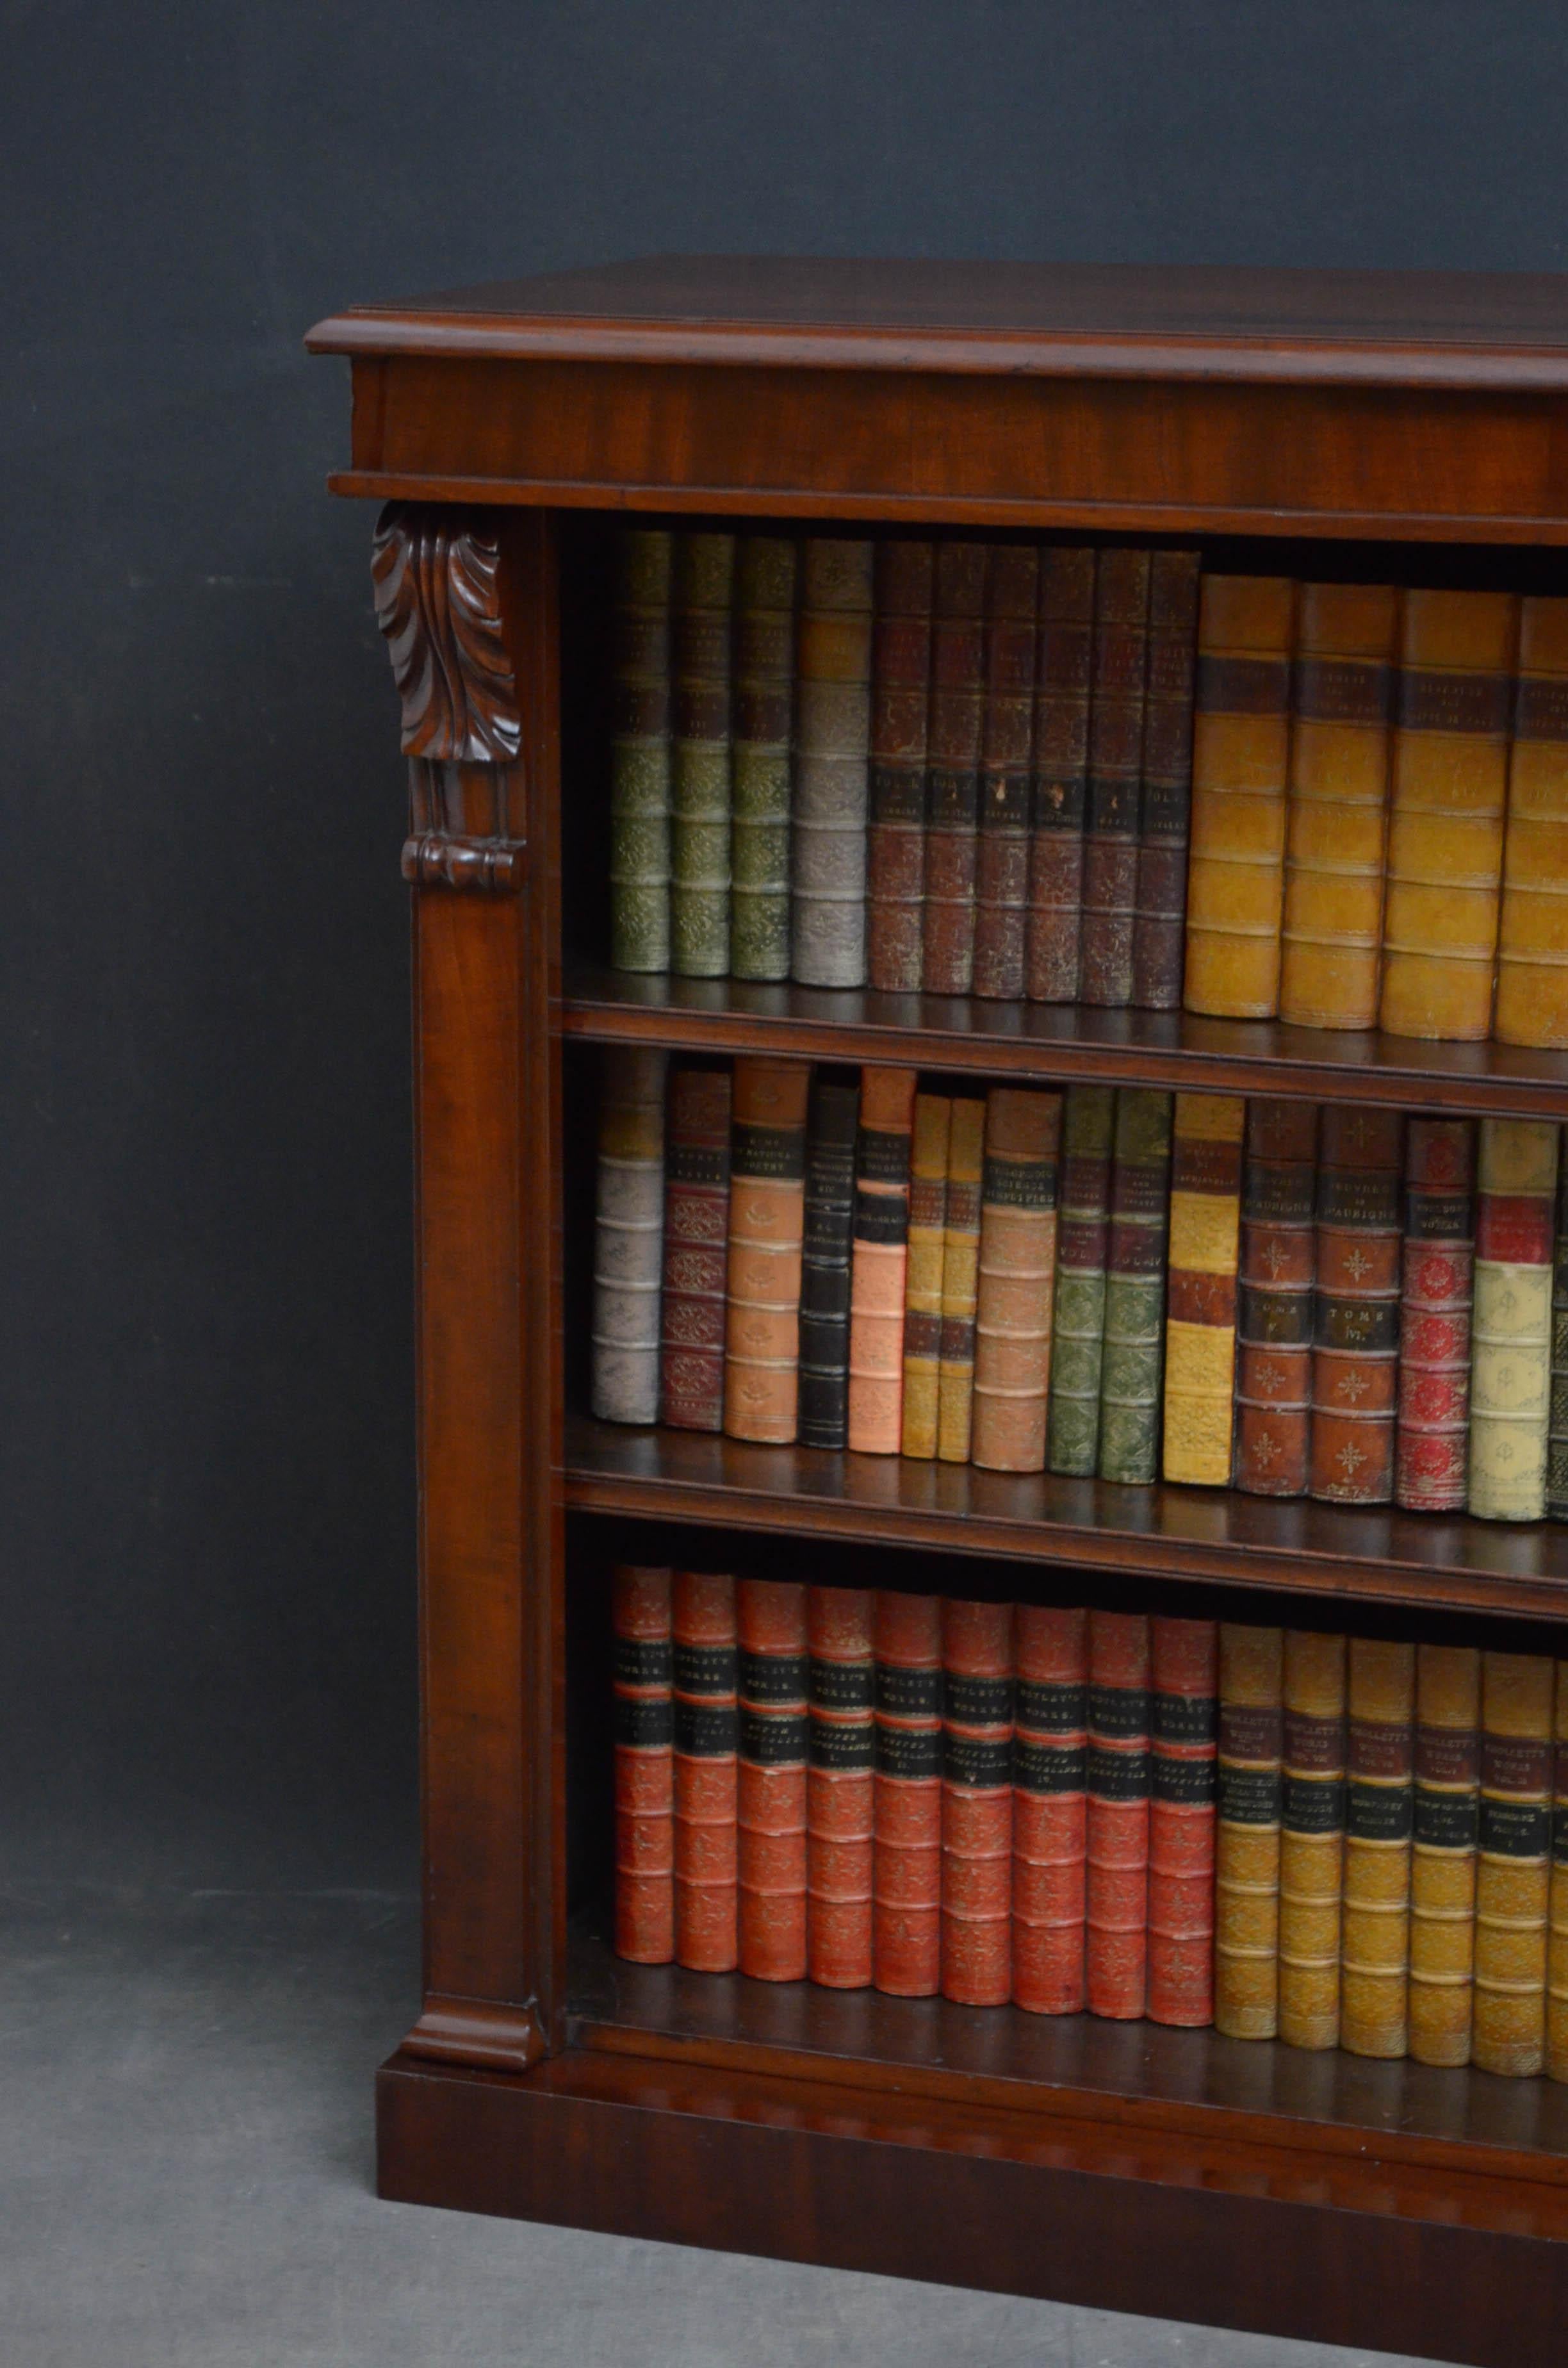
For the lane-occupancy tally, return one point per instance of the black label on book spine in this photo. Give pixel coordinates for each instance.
(758, 1152)
(911, 1754)
(843, 1745)
(881, 1218)
(1049, 1767)
(644, 1722)
(1184, 1718)
(954, 797)
(1119, 1710)
(840, 1685)
(691, 1163)
(773, 1738)
(1019, 1183)
(1438, 1216)
(1515, 1829)
(1182, 1781)
(642, 1661)
(903, 1692)
(1371, 1324)
(1379, 1813)
(1249, 1796)
(1447, 1820)
(1282, 1319)
(977, 1762)
(705, 1669)
(1116, 1775)
(706, 1730)
(1060, 804)
(882, 1157)
(1312, 1805)
(898, 793)
(1359, 1195)
(977, 1702)
(773, 1677)
(1051, 1709)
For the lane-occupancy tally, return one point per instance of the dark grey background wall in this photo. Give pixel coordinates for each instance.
(206, 1590)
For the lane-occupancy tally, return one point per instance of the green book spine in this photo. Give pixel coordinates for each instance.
(1557, 1439)
(640, 753)
(699, 780)
(764, 716)
(1078, 1336)
(1135, 1287)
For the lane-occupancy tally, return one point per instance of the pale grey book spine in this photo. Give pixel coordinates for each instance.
(832, 732)
(700, 773)
(764, 716)
(629, 1235)
(640, 753)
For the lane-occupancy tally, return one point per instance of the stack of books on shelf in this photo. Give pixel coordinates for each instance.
(1291, 1299)
(1337, 1841)
(1078, 775)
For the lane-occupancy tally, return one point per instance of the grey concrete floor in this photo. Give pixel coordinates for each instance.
(185, 2182)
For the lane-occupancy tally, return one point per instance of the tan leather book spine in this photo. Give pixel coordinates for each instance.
(1379, 1816)
(706, 1740)
(1557, 1930)
(644, 1765)
(961, 1281)
(1347, 648)
(1510, 1380)
(1532, 936)
(767, 1169)
(1241, 742)
(923, 1279)
(1247, 1860)
(629, 1235)
(1442, 1873)
(770, 1625)
(878, 1271)
(1514, 1871)
(1312, 1839)
(1200, 1307)
(1445, 854)
(1017, 1279)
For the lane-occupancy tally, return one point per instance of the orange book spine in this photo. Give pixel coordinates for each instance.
(703, 1620)
(977, 1802)
(879, 1260)
(767, 1193)
(906, 1951)
(1017, 1279)
(1117, 1836)
(840, 1785)
(1050, 1751)
(645, 1766)
(1184, 1662)
(770, 1626)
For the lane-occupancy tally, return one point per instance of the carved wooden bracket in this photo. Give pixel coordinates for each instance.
(431, 859)
(472, 2031)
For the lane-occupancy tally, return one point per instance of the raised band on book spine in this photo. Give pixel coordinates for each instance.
(1240, 755)
(1442, 1873)
(1513, 1871)
(760, 768)
(1278, 1267)
(1059, 796)
(644, 1765)
(1050, 1758)
(1437, 1289)
(961, 1281)
(907, 1872)
(832, 732)
(1356, 1322)
(840, 1784)
(1312, 1839)
(901, 680)
(1378, 1821)
(696, 1227)
(977, 1802)
(770, 1624)
(879, 1260)
(629, 1234)
(639, 752)
(1184, 1725)
(1135, 1287)
(922, 1280)
(1017, 1279)
(1002, 856)
(1116, 755)
(958, 709)
(832, 1120)
(1511, 1323)
(1200, 1307)
(1532, 937)
(1083, 1227)
(1246, 1845)
(1164, 810)
(762, 1336)
(706, 1738)
(700, 773)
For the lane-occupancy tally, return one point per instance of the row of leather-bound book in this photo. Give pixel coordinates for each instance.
(1090, 775)
(1291, 1299)
(1337, 1841)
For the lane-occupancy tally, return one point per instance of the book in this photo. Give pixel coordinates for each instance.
(880, 1259)
(629, 1235)
(706, 1740)
(961, 1281)
(1241, 739)
(701, 767)
(1342, 702)
(922, 1280)
(840, 1780)
(1311, 1838)
(1557, 1414)
(1164, 808)
(771, 1627)
(1002, 848)
(696, 1229)
(1116, 1844)
(1200, 1305)
(1246, 1839)
(833, 737)
(1511, 1322)
(1060, 791)
(977, 1802)
(1274, 1321)
(1445, 850)
(957, 724)
(1135, 1287)
(1432, 1442)
(906, 1880)
(901, 678)
(1378, 1821)
(1355, 1318)
(1532, 934)
(640, 751)
(1557, 1904)
(1049, 1824)
(643, 1685)
(1083, 1226)
(1442, 1870)
(1116, 757)
(1015, 1280)
(1184, 1724)
(828, 1223)
(768, 1165)
(1513, 1869)
(765, 569)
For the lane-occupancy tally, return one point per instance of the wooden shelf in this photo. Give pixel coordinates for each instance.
(1056, 1041)
(1374, 1554)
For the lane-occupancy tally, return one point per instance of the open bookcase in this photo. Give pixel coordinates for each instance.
(510, 428)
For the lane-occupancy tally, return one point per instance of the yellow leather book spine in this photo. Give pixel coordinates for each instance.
(961, 1278)
(1246, 1843)
(1016, 1280)
(1342, 698)
(1513, 1873)
(1379, 1810)
(1312, 1839)
(1240, 764)
(1445, 858)
(1557, 1925)
(1532, 937)
(1200, 1305)
(1442, 1873)
(923, 1279)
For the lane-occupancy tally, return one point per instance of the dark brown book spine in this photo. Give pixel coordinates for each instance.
(957, 702)
(696, 1225)
(1356, 1330)
(901, 671)
(1116, 762)
(1001, 879)
(1279, 1262)
(1060, 775)
(1166, 800)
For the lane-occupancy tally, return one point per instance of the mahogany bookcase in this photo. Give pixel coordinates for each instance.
(1413, 425)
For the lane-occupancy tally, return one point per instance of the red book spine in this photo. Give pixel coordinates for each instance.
(1062, 669)
(706, 1743)
(1165, 802)
(977, 1803)
(1116, 758)
(1117, 1841)
(840, 1785)
(957, 704)
(1049, 1741)
(1279, 1262)
(906, 1953)
(1356, 1328)
(770, 1622)
(1002, 876)
(696, 1227)
(644, 1773)
(1433, 1444)
(901, 671)
(1184, 1728)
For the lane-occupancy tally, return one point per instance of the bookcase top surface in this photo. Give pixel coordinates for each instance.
(1407, 327)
